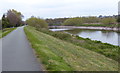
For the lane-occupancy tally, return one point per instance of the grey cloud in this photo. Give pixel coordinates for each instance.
(60, 8)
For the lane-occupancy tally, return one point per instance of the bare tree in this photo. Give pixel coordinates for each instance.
(14, 17)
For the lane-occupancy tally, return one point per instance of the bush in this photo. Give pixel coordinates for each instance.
(37, 22)
(59, 35)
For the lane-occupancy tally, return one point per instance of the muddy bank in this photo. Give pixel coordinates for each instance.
(83, 27)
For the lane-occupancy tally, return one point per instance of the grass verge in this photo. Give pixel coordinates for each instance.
(6, 31)
(0, 33)
(59, 55)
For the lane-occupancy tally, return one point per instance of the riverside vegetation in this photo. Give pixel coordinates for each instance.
(62, 55)
(106, 49)
(92, 21)
(59, 51)
(110, 21)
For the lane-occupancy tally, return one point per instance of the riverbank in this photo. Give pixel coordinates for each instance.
(87, 27)
(97, 46)
(58, 54)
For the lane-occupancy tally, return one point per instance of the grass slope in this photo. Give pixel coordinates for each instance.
(58, 55)
(105, 49)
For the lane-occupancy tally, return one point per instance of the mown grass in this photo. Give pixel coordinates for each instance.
(59, 55)
(6, 31)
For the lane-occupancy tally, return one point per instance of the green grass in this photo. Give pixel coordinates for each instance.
(59, 55)
(0, 33)
(6, 31)
(99, 25)
(105, 49)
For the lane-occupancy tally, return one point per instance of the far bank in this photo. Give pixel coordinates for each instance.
(87, 27)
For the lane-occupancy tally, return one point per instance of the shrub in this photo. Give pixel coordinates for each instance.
(37, 22)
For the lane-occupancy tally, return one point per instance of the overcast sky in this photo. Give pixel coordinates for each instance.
(60, 8)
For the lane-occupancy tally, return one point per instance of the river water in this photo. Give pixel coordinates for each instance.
(110, 37)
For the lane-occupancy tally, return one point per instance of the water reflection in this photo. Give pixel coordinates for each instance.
(119, 39)
(108, 34)
(103, 36)
(76, 31)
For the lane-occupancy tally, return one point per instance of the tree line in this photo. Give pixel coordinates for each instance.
(56, 21)
(77, 21)
(13, 18)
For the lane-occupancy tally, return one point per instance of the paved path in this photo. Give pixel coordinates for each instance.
(17, 55)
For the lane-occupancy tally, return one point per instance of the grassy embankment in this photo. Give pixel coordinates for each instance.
(59, 55)
(108, 50)
(99, 25)
(92, 25)
(6, 31)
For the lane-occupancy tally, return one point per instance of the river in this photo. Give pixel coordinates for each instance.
(110, 37)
